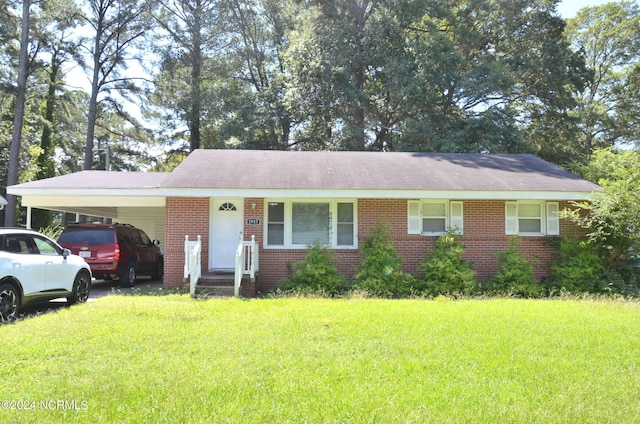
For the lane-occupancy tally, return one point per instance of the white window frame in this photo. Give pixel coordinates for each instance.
(288, 223)
(549, 218)
(454, 216)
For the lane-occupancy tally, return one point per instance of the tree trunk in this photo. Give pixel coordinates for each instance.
(196, 79)
(16, 136)
(93, 101)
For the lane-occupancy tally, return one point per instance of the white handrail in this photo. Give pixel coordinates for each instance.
(192, 262)
(238, 273)
(246, 262)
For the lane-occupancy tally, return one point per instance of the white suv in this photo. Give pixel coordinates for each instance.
(34, 268)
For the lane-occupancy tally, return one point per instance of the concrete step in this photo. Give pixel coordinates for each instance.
(220, 284)
(214, 291)
(216, 279)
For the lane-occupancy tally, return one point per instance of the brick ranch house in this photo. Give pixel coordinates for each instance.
(289, 199)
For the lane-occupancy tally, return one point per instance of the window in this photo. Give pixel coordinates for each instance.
(310, 223)
(531, 218)
(300, 223)
(434, 217)
(345, 227)
(16, 243)
(45, 247)
(227, 207)
(275, 224)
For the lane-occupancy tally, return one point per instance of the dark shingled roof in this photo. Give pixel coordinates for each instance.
(252, 169)
(101, 180)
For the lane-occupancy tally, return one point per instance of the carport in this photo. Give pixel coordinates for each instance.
(127, 197)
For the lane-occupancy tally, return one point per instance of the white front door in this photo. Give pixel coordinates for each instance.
(227, 226)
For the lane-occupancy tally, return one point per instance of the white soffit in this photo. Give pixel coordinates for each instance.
(89, 200)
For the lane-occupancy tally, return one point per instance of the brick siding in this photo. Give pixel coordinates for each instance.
(484, 223)
(185, 216)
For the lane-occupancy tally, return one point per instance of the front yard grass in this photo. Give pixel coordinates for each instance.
(298, 360)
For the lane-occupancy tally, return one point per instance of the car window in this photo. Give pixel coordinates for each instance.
(46, 247)
(87, 235)
(141, 238)
(16, 243)
(124, 235)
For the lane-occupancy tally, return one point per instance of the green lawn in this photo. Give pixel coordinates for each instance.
(171, 358)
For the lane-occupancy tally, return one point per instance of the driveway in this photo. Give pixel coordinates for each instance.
(99, 288)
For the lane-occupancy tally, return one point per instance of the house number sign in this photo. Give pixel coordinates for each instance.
(253, 221)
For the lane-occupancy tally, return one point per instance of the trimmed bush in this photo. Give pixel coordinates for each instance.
(444, 271)
(515, 274)
(379, 273)
(314, 274)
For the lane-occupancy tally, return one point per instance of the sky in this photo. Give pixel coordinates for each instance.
(569, 8)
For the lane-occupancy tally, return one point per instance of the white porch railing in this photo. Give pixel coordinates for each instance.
(192, 261)
(246, 263)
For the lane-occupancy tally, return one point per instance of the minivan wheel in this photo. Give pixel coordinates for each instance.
(9, 303)
(81, 288)
(128, 279)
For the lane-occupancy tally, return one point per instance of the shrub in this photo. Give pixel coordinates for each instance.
(580, 270)
(53, 231)
(515, 274)
(315, 273)
(379, 273)
(445, 272)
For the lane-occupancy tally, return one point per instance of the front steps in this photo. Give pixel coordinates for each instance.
(220, 284)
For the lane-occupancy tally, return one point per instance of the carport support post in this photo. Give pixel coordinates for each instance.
(28, 224)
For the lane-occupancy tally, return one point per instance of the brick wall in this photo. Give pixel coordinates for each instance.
(483, 237)
(185, 216)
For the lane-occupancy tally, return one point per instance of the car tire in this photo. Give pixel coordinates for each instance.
(128, 279)
(9, 303)
(81, 288)
(158, 272)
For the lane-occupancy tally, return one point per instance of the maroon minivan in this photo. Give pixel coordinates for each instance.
(115, 251)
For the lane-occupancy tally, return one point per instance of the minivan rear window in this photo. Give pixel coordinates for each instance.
(87, 235)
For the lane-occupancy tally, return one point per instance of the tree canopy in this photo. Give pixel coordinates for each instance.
(390, 75)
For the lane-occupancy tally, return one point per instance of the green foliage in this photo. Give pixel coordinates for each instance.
(515, 274)
(607, 109)
(314, 274)
(373, 77)
(445, 271)
(379, 273)
(612, 218)
(580, 270)
(52, 230)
